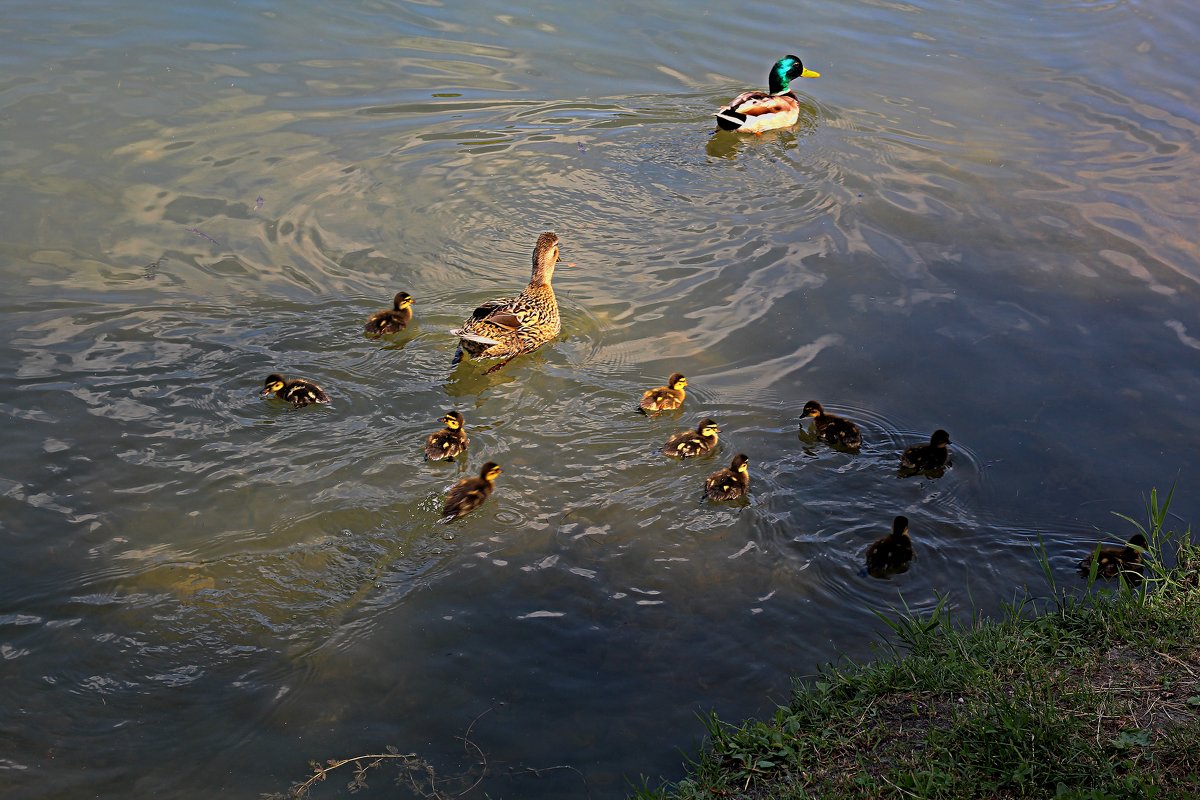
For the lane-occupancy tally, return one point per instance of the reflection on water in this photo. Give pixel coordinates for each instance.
(980, 224)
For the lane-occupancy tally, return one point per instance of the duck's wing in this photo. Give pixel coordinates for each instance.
(758, 111)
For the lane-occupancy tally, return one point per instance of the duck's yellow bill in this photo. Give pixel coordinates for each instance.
(810, 73)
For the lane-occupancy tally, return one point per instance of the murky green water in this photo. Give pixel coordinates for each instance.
(984, 222)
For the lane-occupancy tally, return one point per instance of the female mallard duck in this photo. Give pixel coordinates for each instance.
(508, 327)
(730, 483)
(391, 320)
(450, 441)
(469, 493)
(1113, 561)
(835, 430)
(298, 391)
(928, 457)
(664, 398)
(891, 553)
(755, 112)
(699, 442)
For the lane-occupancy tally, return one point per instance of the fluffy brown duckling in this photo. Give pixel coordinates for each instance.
(699, 442)
(664, 398)
(469, 493)
(391, 320)
(450, 441)
(730, 483)
(837, 431)
(1113, 561)
(928, 457)
(298, 391)
(891, 553)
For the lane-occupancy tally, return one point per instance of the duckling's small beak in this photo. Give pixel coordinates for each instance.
(810, 73)
(266, 391)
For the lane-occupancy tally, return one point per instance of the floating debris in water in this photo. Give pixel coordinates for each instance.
(204, 235)
(151, 272)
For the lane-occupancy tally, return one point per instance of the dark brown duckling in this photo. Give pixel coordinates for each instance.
(450, 441)
(837, 431)
(928, 457)
(890, 554)
(469, 493)
(298, 391)
(391, 320)
(664, 398)
(1113, 561)
(730, 483)
(699, 442)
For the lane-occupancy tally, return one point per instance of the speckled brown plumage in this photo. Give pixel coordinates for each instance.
(687, 444)
(664, 398)
(508, 327)
(469, 493)
(392, 320)
(835, 430)
(890, 554)
(298, 391)
(731, 483)
(450, 442)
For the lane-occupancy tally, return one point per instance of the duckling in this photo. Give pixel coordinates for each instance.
(664, 398)
(1113, 561)
(298, 392)
(699, 442)
(469, 493)
(450, 441)
(928, 457)
(508, 327)
(731, 483)
(890, 553)
(392, 320)
(835, 430)
(778, 107)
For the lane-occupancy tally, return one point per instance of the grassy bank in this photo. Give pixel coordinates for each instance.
(1090, 697)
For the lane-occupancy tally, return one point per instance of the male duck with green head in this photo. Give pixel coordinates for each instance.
(755, 112)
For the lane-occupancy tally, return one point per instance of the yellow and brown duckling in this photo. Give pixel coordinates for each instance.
(928, 457)
(1113, 561)
(730, 483)
(664, 398)
(510, 326)
(391, 320)
(890, 554)
(837, 431)
(778, 107)
(450, 441)
(699, 442)
(298, 391)
(469, 493)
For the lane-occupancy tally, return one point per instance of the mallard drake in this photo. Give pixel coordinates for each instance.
(390, 320)
(469, 493)
(298, 391)
(508, 327)
(729, 483)
(699, 442)
(891, 553)
(755, 112)
(835, 430)
(664, 398)
(928, 457)
(1113, 561)
(450, 441)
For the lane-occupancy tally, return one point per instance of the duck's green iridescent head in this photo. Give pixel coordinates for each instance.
(786, 70)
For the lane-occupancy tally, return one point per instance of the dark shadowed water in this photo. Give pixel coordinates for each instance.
(985, 221)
